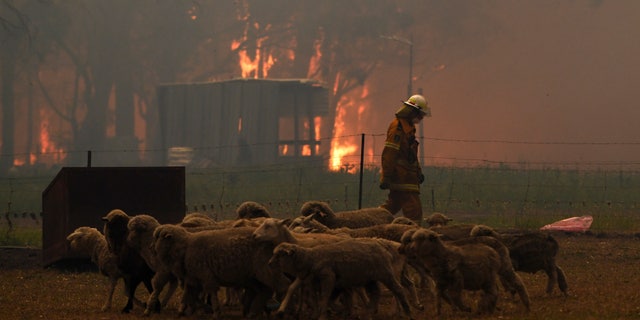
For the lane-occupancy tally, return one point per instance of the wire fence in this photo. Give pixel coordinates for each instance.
(470, 187)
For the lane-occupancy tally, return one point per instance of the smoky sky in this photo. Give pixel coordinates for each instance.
(557, 82)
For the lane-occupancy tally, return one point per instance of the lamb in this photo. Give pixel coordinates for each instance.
(276, 232)
(346, 264)
(437, 219)
(207, 260)
(471, 266)
(91, 243)
(135, 269)
(352, 219)
(251, 210)
(508, 276)
(140, 238)
(531, 252)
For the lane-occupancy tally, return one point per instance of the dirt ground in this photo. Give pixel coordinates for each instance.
(603, 272)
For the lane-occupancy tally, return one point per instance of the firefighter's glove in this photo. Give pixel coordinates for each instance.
(421, 178)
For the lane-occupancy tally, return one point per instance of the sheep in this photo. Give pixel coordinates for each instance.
(403, 220)
(352, 219)
(197, 220)
(507, 274)
(276, 232)
(531, 251)
(437, 219)
(133, 266)
(207, 260)
(140, 237)
(471, 266)
(251, 210)
(345, 264)
(91, 243)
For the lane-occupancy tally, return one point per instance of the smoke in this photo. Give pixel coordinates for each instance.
(555, 72)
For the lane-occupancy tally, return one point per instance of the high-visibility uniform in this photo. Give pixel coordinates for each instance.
(401, 169)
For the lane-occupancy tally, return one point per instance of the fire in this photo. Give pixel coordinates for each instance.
(347, 146)
(54, 154)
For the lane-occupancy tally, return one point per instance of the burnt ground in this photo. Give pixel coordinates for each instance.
(603, 272)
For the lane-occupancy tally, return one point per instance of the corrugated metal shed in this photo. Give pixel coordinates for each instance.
(244, 121)
(82, 196)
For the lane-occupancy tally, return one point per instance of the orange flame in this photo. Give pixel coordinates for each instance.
(349, 146)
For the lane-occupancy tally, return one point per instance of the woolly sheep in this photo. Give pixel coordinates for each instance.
(251, 210)
(346, 264)
(352, 219)
(403, 220)
(133, 266)
(531, 251)
(386, 231)
(437, 219)
(508, 276)
(207, 260)
(140, 238)
(91, 243)
(470, 266)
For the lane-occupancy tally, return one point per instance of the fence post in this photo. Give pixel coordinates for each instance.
(361, 172)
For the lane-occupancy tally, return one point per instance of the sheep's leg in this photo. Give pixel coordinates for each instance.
(112, 287)
(552, 277)
(562, 280)
(396, 288)
(487, 303)
(326, 287)
(159, 281)
(373, 293)
(410, 287)
(512, 282)
(287, 298)
(129, 288)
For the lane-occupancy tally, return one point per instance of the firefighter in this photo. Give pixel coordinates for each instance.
(401, 172)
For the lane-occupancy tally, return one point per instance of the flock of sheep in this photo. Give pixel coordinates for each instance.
(319, 263)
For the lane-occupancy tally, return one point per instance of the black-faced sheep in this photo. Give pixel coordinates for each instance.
(135, 269)
(454, 268)
(352, 219)
(91, 243)
(140, 238)
(207, 260)
(346, 264)
(437, 219)
(251, 210)
(531, 251)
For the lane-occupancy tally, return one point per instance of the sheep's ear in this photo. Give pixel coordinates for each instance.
(285, 222)
(105, 219)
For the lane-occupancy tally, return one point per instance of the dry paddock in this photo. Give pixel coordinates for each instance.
(603, 272)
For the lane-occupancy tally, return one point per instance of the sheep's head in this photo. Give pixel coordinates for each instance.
(317, 208)
(283, 257)
(270, 230)
(250, 210)
(437, 219)
(115, 229)
(403, 220)
(84, 239)
(425, 241)
(405, 243)
(482, 230)
(141, 227)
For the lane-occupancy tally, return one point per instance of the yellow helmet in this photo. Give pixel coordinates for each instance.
(419, 103)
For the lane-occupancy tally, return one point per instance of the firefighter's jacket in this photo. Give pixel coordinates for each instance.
(400, 166)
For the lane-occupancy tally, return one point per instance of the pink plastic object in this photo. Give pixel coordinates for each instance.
(573, 224)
